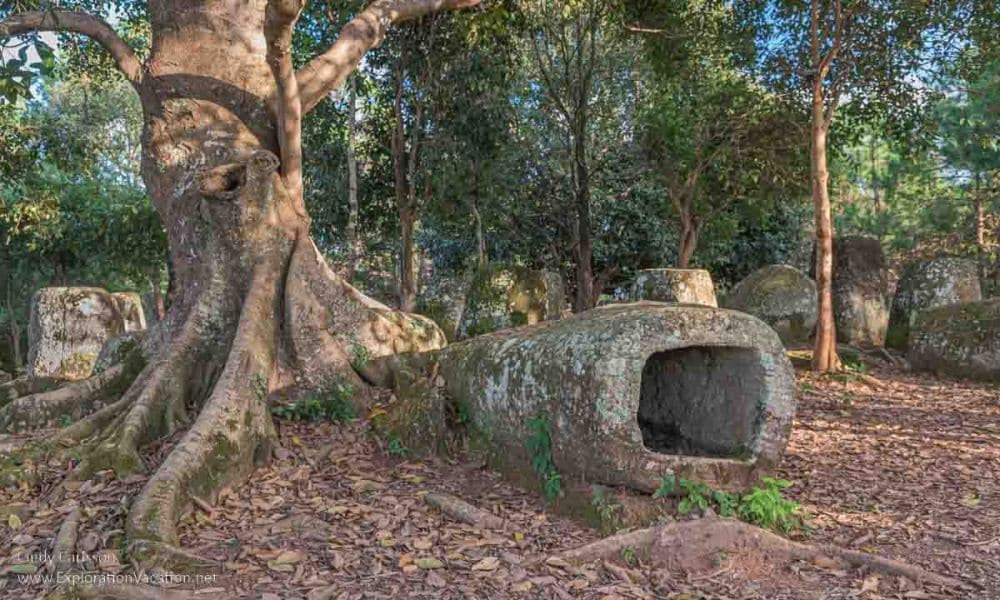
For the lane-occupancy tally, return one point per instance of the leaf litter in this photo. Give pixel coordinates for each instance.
(906, 469)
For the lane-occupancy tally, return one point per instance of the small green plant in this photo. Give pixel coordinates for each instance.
(806, 386)
(396, 447)
(361, 356)
(768, 508)
(65, 421)
(728, 502)
(259, 385)
(539, 444)
(695, 495)
(607, 508)
(462, 407)
(628, 556)
(333, 403)
(667, 487)
(856, 366)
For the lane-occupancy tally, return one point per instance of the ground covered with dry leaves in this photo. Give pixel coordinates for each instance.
(890, 463)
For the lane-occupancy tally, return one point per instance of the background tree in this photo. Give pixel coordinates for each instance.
(865, 51)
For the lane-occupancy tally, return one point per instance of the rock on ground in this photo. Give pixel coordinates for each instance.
(130, 306)
(502, 297)
(681, 286)
(926, 284)
(961, 340)
(781, 296)
(70, 325)
(628, 393)
(443, 301)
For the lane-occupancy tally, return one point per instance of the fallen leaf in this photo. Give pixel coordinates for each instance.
(490, 563)
(428, 563)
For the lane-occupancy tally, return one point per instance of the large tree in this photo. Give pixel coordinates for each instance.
(255, 308)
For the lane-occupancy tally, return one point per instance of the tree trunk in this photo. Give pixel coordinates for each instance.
(980, 227)
(404, 198)
(584, 246)
(689, 239)
(15, 330)
(481, 257)
(407, 259)
(825, 348)
(354, 244)
(159, 306)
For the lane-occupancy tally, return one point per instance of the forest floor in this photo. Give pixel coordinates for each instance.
(890, 463)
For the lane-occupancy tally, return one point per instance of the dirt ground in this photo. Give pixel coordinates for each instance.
(893, 464)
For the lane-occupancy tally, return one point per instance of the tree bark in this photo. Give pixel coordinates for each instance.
(688, 239)
(980, 227)
(825, 348)
(354, 243)
(404, 173)
(159, 306)
(481, 257)
(15, 330)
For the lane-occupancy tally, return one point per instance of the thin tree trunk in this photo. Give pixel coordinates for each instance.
(689, 239)
(584, 246)
(354, 245)
(478, 218)
(825, 349)
(15, 330)
(877, 200)
(405, 290)
(407, 284)
(980, 228)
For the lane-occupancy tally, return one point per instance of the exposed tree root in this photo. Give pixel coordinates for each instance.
(233, 431)
(14, 389)
(333, 330)
(460, 510)
(694, 545)
(222, 352)
(65, 547)
(71, 401)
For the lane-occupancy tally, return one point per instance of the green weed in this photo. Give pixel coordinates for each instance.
(539, 444)
(333, 403)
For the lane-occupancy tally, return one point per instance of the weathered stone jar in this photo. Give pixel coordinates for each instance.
(860, 290)
(69, 326)
(632, 392)
(781, 296)
(682, 286)
(927, 284)
(961, 340)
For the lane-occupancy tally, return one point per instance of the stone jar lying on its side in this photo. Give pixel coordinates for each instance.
(631, 393)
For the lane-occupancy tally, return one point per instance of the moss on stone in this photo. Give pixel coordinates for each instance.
(962, 340)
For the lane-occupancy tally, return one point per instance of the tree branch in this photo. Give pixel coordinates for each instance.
(329, 70)
(281, 18)
(82, 23)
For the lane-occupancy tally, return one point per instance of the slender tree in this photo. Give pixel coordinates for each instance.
(867, 51)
